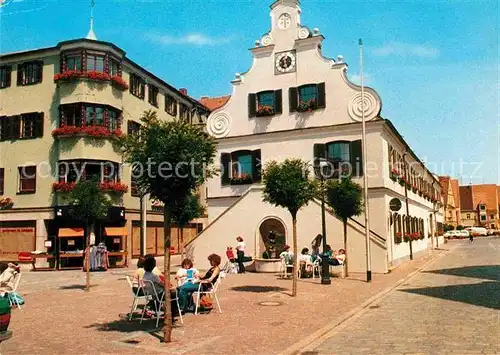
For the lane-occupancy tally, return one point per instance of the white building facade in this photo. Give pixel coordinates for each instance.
(295, 103)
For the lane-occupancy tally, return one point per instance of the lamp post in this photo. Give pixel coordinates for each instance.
(325, 274)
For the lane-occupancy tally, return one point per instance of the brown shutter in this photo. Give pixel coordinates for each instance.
(252, 102)
(20, 69)
(130, 82)
(39, 125)
(293, 99)
(356, 154)
(321, 95)
(256, 166)
(225, 161)
(278, 101)
(3, 128)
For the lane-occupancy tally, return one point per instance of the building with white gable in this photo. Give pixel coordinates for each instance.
(296, 103)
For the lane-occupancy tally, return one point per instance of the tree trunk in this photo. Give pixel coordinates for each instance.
(87, 256)
(167, 225)
(295, 258)
(179, 239)
(346, 272)
(181, 245)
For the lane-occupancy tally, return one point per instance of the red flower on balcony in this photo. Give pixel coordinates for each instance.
(63, 186)
(307, 106)
(71, 75)
(113, 186)
(93, 131)
(264, 110)
(6, 203)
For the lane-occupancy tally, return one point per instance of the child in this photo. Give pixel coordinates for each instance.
(187, 273)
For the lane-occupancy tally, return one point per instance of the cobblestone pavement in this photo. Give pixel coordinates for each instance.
(451, 307)
(259, 316)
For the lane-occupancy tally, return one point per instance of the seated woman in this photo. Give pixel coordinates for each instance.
(305, 260)
(206, 281)
(187, 273)
(335, 258)
(137, 278)
(8, 273)
(158, 282)
(287, 255)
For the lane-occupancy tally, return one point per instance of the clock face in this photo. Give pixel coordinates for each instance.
(285, 62)
(284, 21)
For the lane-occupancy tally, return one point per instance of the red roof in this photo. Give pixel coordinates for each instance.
(213, 103)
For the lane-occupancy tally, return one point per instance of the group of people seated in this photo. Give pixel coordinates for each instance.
(189, 280)
(306, 259)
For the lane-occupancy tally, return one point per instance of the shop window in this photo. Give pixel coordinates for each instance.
(343, 156)
(2, 181)
(29, 73)
(153, 95)
(265, 103)
(5, 74)
(307, 97)
(27, 179)
(170, 105)
(137, 85)
(241, 167)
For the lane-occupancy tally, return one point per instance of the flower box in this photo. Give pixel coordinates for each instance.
(104, 186)
(93, 131)
(63, 186)
(6, 203)
(402, 181)
(242, 179)
(308, 106)
(407, 238)
(394, 175)
(265, 111)
(73, 75)
(397, 238)
(415, 236)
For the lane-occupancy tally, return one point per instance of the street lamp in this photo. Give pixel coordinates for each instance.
(321, 169)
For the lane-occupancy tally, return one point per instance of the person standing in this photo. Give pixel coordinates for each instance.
(240, 253)
(471, 237)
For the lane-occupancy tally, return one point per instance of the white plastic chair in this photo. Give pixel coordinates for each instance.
(137, 297)
(211, 291)
(316, 268)
(150, 291)
(13, 300)
(284, 268)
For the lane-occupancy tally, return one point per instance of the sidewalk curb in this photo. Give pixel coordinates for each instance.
(312, 341)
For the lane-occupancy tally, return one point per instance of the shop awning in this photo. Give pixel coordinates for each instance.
(115, 231)
(70, 232)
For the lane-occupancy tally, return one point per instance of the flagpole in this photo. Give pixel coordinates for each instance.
(365, 161)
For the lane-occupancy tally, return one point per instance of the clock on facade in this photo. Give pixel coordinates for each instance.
(285, 62)
(284, 21)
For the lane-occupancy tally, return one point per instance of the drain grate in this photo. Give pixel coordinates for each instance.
(270, 303)
(374, 306)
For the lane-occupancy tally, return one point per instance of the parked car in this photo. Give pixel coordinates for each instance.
(453, 234)
(492, 231)
(464, 233)
(477, 231)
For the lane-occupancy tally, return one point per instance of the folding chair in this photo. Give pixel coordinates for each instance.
(284, 268)
(316, 268)
(150, 291)
(137, 297)
(211, 291)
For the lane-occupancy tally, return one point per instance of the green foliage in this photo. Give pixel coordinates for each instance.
(179, 156)
(188, 210)
(448, 227)
(345, 197)
(288, 185)
(459, 228)
(88, 202)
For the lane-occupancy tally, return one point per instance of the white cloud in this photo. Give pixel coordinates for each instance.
(367, 79)
(196, 39)
(406, 49)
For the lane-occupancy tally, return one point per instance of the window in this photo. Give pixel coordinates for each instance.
(27, 179)
(343, 156)
(32, 125)
(94, 116)
(102, 171)
(170, 105)
(74, 62)
(5, 73)
(115, 69)
(482, 207)
(10, 128)
(95, 63)
(29, 73)
(133, 127)
(241, 167)
(483, 218)
(137, 85)
(265, 103)
(185, 114)
(71, 115)
(468, 216)
(492, 216)
(307, 97)
(2, 181)
(153, 95)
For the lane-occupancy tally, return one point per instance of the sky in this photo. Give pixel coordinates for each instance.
(435, 64)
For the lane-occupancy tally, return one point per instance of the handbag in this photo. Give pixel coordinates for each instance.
(206, 302)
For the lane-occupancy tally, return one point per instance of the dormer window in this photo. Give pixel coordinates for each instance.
(265, 103)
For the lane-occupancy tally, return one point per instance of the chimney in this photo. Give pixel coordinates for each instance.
(183, 91)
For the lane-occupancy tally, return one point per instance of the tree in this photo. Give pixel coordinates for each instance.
(169, 160)
(460, 227)
(287, 185)
(190, 210)
(345, 197)
(88, 204)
